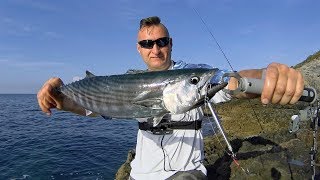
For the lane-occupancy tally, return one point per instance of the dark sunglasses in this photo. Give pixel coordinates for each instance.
(161, 42)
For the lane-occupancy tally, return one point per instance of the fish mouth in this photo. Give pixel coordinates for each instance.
(208, 89)
(211, 90)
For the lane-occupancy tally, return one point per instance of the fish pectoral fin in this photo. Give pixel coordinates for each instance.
(148, 99)
(153, 102)
(157, 120)
(89, 74)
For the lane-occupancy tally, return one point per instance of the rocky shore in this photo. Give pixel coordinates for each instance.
(260, 137)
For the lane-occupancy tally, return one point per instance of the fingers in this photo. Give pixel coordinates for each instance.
(48, 98)
(290, 88)
(282, 85)
(44, 107)
(270, 83)
(46, 104)
(299, 89)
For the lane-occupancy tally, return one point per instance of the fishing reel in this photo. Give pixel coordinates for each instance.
(305, 115)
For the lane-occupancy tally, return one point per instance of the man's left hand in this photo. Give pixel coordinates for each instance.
(283, 85)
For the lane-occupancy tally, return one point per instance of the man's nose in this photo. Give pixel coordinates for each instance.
(155, 49)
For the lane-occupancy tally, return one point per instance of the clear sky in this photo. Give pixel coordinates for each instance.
(40, 39)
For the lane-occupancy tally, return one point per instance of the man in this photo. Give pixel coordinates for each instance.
(178, 154)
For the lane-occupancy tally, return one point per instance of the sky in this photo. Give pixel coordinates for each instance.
(40, 39)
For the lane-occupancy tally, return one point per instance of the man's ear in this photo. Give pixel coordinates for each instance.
(138, 48)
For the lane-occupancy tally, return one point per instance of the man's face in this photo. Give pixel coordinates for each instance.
(157, 58)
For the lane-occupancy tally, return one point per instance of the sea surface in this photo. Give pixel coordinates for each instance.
(61, 146)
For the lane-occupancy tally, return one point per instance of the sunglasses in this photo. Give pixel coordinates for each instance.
(148, 44)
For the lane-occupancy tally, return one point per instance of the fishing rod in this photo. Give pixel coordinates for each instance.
(252, 85)
(213, 113)
(309, 95)
(314, 149)
(255, 86)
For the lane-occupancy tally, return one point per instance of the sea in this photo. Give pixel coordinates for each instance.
(36, 146)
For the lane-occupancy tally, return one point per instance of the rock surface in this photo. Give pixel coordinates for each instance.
(310, 68)
(260, 137)
(265, 149)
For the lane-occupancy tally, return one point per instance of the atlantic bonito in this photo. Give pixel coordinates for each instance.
(144, 95)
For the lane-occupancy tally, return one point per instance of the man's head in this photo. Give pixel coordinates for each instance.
(154, 44)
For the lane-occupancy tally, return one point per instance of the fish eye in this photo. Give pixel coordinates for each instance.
(194, 80)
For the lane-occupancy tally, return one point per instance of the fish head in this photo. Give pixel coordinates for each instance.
(190, 90)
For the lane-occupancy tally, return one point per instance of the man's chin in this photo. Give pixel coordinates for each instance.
(157, 59)
(156, 65)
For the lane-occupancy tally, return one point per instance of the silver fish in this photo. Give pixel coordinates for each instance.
(143, 95)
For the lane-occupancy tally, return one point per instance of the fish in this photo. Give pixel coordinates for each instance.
(151, 94)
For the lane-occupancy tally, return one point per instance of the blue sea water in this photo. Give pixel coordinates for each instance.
(62, 146)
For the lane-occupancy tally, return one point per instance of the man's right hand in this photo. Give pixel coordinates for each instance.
(48, 98)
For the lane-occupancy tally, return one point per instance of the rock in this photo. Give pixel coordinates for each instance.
(124, 171)
(310, 68)
(263, 151)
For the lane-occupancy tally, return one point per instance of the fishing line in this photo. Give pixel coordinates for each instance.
(315, 121)
(227, 59)
(225, 56)
(214, 131)
(216, 119)
(233, 155)
(215, 40)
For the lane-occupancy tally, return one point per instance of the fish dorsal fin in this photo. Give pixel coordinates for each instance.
(89, 74)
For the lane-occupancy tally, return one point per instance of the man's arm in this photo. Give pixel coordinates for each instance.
(283, 85)
(48, 99)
